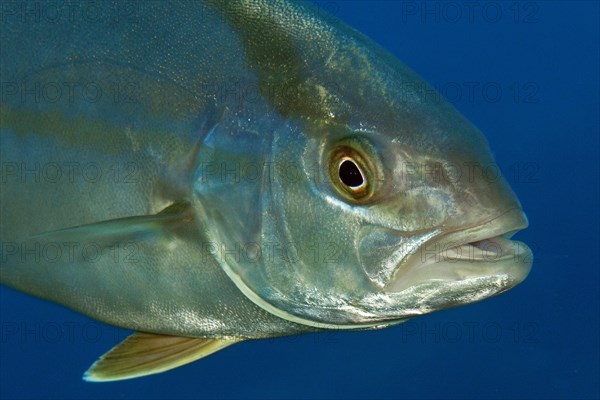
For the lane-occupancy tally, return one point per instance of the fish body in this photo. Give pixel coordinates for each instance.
(238, 170)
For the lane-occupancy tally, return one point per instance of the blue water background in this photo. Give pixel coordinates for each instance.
(540, 340)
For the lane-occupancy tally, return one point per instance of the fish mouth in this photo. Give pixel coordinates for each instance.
(469, 255)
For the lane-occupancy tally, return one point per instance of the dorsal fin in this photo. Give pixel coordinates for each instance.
(143, 354)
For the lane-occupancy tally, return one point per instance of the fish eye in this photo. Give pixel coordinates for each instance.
(353, 171)
(350, 175)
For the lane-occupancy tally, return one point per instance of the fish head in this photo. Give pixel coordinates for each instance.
(381, 201)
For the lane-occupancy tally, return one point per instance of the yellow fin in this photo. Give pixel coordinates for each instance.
(144, 354)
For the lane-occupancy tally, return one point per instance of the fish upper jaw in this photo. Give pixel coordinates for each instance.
(472, 253)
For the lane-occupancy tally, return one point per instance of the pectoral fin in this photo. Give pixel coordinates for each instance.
(144, 354)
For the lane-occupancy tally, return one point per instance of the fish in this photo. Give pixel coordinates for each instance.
(210, 172)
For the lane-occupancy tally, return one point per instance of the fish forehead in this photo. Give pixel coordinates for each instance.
(311, 66)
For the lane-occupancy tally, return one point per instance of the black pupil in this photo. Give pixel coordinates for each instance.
(350, 174)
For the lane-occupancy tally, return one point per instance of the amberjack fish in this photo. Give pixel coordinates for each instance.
(208, 172)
